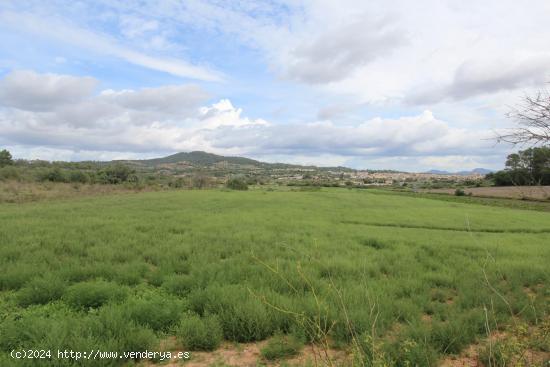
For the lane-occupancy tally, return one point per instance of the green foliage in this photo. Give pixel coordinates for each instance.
(197, 333)
(116, 174)
(281, 346)
(178, 284)
(41, 291)
(9, 173)
(93, 294)
(5, 158)
(158, 313)
(55, 175)
(236, 183)
(527, 167)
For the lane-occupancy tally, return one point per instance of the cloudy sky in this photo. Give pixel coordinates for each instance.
(414, 85)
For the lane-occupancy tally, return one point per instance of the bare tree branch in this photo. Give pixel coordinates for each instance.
(532, 116)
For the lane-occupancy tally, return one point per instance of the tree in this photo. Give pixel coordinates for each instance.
(532, 116)
(5, 158)
(526, 167)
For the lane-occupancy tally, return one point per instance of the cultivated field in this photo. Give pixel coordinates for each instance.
(373, 279)
(513, 192)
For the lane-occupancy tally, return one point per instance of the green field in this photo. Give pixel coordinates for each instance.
(405, 279)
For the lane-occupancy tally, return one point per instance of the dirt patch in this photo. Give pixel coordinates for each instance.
(468, 358)
(249, 355)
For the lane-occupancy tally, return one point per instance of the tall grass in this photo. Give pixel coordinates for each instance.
(410, 287)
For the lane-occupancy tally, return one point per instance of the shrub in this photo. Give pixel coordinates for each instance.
(459, 192)
(9, 173)
(93, 294)
(54, 175)
(41, 291)
(236, 184)
(242, 317)
(180, 285)
(281, 346)
(156, 313)
(197, 333)
(79, 176)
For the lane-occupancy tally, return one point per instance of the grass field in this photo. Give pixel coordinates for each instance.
(389, 277)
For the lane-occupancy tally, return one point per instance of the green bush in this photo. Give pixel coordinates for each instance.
(93, 294)
(281, 346)
(197, 333)
(159, 314)
(55, 175)
(236, 184)
(41, 291)
(459, 192)
(79, 176)
(242, 317)
(9, 173)
(178, 284)
(12, 277)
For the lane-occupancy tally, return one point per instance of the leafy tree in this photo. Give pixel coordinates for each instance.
(5, 158)
(526, 167)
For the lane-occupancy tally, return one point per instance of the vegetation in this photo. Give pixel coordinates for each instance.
(236, 183)
(5, 158)
(405, 280)
(527, 167)
(281, 346)
(198, 333)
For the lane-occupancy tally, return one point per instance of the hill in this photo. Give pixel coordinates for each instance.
(199, 158)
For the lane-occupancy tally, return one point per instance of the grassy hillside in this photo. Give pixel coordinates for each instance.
(406, 280)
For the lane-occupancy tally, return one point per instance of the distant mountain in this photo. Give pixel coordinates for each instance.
(199, 158)
(204, 159)
(475, 171)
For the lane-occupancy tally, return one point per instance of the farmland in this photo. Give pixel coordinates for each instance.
(510, 192)
(382, 277)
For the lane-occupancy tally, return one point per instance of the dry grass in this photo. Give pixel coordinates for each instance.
(511, 192)
(22, 192)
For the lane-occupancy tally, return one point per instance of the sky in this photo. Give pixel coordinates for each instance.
(373, 84)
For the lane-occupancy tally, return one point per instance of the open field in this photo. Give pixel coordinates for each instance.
(512, 192)
(378, 277)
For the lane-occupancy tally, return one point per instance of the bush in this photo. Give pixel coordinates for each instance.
(54, 175)
(197, 333)
(157, 313)
(459, 192)
(9, 173)
(281, 346)
(242, 317)
(79, 176)
(93, 294)
(41, 291)
(179, 285)
(236, 184)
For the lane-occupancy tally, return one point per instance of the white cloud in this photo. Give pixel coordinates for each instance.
(174, 118)
(30, 91)
(68, 33)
